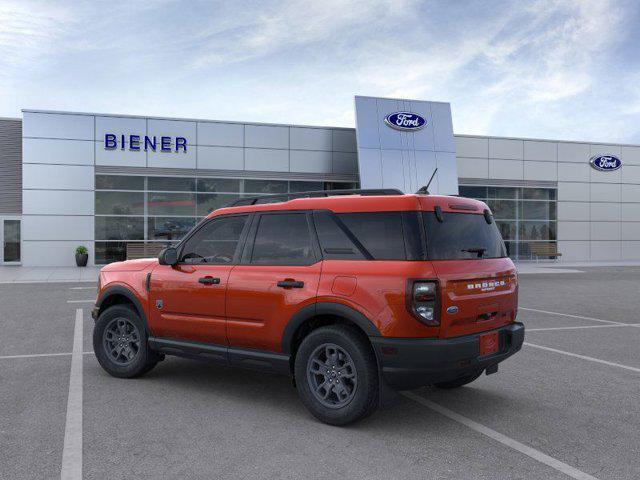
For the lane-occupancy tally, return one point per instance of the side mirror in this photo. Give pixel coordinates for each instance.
(168, 256)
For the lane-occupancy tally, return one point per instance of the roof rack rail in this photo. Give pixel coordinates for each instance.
(284, 197)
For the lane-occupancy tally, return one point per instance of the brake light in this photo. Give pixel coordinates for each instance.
(423, 302)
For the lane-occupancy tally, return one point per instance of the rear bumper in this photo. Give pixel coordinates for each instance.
(415, 362)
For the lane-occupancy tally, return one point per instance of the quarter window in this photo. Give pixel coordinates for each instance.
(380, 233)
(283, 239)
(215, 243)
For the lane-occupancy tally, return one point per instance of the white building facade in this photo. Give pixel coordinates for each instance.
(108, 181)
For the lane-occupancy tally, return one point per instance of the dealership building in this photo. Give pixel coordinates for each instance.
(120, 184)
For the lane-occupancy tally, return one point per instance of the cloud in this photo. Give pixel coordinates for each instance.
(28, 30)
(508, 68)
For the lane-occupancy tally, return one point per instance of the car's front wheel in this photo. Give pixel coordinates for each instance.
(336, 375)
(120, 343)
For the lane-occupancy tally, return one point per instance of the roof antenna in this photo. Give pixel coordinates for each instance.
(425, 190)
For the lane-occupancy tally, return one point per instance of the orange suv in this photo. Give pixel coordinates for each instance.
(354, 294)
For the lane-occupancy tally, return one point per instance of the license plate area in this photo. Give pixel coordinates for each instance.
(489, 343)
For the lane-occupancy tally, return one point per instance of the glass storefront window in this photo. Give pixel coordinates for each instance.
(503, 209)
(537, 231)
(538, 210)
(208, 202)
(171, 184)
(119, 228)
(169, 228)
(472, 192)
(107, 252)
(305, 186)
(339, 186)
(507, 229)
(538, 194)
(135, 209)
(119, 182)
(523, 215)
(265, 186)
(213, 185)
(502, 192)
(119, 203)
(172, 204)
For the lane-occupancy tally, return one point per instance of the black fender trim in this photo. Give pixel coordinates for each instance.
(120, 290)
(325, 308)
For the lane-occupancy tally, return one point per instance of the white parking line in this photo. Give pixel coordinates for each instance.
(571, 316)
(82, 301)
(36, 355)
(582, 326)
(503, 439)
(583, 357)
(72, 450)
(83, 288)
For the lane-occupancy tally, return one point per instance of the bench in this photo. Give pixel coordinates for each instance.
(549, 249)
(143, 250)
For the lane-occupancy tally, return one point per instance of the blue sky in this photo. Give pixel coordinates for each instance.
(545, 69)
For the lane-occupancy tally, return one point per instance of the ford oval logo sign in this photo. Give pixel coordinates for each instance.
(405, 121)
(605, 163)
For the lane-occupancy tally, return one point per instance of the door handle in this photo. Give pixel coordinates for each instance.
(290, 284)
(209, 281)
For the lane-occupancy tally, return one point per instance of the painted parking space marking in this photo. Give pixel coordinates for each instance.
(584, 357)
(503, 439)
(582, 327)
(72, 450)
(571, 316)
(83, 288)
(39, 355)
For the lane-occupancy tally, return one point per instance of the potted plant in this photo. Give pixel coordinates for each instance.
(82, 256)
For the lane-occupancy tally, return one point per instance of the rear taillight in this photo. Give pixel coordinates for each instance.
(423, 302)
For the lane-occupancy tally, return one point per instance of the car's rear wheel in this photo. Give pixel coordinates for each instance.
(336, 375)
(120, 343)
(459, 382)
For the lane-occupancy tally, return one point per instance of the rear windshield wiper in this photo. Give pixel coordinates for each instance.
(478, 250)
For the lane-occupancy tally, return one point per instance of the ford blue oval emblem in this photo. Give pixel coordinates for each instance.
(452, 310)
(405, 121)
(605, 163)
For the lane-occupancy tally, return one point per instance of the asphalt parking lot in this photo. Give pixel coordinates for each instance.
(566, 406)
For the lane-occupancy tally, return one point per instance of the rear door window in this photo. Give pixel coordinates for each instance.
(462, 236)
(283, 239)
(334, 241)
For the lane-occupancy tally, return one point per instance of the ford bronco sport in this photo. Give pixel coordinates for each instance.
(351, 293)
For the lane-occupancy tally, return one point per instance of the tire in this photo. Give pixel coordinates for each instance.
(459, 382)
(132, 361)
(354, 395)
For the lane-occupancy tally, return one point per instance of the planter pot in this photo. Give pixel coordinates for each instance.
(81, 259)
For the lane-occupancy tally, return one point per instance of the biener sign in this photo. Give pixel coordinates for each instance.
(145, 143)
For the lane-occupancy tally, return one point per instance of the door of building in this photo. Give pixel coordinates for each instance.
(10, 240)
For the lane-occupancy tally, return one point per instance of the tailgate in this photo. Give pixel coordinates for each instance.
(476, 295)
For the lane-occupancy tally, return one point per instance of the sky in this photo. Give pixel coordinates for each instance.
(540, 69)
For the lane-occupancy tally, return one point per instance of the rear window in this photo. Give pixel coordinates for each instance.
(462, 236)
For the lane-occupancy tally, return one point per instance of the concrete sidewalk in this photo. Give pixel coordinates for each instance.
(526, 268)
(19, 274)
